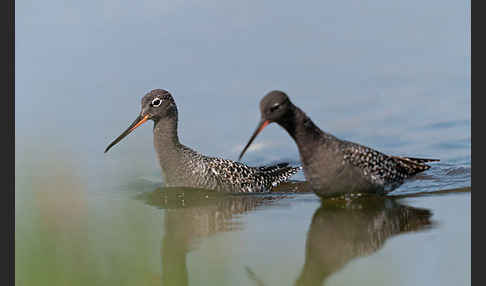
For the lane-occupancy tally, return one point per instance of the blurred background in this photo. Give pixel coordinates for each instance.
(391, 75)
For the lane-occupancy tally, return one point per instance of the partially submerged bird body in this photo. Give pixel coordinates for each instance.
(183, 167)
(331, 165)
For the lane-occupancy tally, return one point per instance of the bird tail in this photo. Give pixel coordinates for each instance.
(275, 167)
(422, 160)
(279, 173)
(414, 165)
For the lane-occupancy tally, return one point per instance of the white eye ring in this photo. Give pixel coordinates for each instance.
(156, 102)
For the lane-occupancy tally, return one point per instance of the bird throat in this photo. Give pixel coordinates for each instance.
(300, 127)
(166, 142)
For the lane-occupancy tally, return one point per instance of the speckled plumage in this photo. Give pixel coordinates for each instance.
(198, 171)
(331, 165)
(381, 169)
(183, 167)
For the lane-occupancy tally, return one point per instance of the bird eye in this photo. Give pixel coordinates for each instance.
(275, 107)
(156, 102)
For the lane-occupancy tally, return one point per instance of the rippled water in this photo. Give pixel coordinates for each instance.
(394, 77)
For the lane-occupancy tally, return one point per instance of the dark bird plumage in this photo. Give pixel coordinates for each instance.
(331, 165)
(184, 167)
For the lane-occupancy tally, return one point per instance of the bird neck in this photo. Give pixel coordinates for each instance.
(166, 139)
(301, 128)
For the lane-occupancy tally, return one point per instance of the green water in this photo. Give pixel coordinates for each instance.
(191, 237)
(142, 234)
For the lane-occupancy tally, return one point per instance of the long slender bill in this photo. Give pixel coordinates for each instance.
(260, 127)
(139, 121)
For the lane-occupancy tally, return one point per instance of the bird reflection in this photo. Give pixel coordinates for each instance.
(193, 214)
(342, 230)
